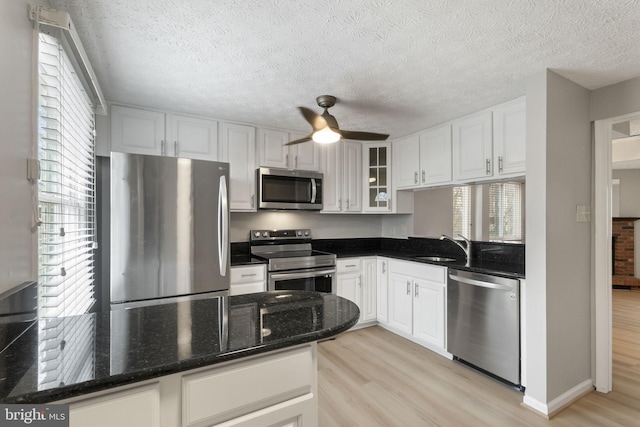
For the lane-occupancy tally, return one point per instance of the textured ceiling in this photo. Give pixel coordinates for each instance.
(395, 66)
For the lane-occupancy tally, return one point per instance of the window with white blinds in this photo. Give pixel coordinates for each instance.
(66, 188)
(505, 211)
(462, 211)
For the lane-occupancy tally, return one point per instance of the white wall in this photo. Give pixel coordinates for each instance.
(628, 191)
(558, 250)
(433, 212)
(323, 226)
(17, 259)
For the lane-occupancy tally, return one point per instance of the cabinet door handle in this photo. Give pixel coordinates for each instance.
(175, 148)
(415, 177)
(253, 200)
(339, 204)
(423, 177)
(500, 169)
(347, 205)
(286, 160)
(359, 281)
(248, 275)
(295, 162)
(488, 163)
(417, 287)
(384, 267)
(350, 265)
(162, 147)
(408, 287)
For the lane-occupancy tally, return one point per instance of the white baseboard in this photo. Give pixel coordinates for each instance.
(560, 402)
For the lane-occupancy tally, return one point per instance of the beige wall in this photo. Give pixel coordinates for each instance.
(628, 191)
(616, 100)
(17, 256)
(558, 249)
(433, 212)
(323, 226)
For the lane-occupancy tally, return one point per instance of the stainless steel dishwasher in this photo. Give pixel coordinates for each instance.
(483, 322)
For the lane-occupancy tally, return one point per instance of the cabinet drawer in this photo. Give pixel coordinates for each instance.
(254, 273)
(418, 270)
(221, 394)
(348, 265)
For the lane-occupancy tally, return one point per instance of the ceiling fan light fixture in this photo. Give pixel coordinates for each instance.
(325, 136)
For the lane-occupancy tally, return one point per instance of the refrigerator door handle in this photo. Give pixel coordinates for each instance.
(223, 226)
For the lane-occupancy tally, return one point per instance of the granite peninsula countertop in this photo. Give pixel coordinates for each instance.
(57, 359)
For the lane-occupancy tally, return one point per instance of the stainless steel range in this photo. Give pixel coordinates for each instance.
(292, 263)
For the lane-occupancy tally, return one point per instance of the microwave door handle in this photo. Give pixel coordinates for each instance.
(314, 190)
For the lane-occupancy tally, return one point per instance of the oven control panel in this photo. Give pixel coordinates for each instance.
(275, 235)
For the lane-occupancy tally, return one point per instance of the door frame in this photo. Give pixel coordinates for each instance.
(602, 235)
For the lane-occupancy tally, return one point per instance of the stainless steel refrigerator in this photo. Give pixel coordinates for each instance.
(169, 229)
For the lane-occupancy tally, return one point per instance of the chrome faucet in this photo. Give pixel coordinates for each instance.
(466, 249)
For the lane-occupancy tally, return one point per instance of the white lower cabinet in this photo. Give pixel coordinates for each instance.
(417, 302)
(356, 281)
(382, 290)
(247, 279)
(137, 406)
(276, 389)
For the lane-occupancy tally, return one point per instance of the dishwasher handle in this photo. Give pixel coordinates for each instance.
(480, 283)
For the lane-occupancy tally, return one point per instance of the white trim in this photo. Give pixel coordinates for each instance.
(45, 16)
(561, 401)
(602, 251)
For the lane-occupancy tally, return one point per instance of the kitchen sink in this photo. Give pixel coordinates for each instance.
(435, 258)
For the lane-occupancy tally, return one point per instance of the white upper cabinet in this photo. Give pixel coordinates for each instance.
(376, 165)
(510, 138)
(275, 154)
(472, 147)
(137, 131)
(424, 159)
(435, 156)
(341, 165)
(406, 155)
(192, 137)
(239, 150)
(352, 177)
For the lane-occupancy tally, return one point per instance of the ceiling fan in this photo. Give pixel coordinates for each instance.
(325, 126)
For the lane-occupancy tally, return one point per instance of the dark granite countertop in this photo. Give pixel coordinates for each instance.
(245, 259)
(491, 258)
(62, 358)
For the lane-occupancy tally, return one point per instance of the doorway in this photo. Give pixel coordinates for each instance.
(605, 132)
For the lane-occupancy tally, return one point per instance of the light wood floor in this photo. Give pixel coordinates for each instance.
(372, 377)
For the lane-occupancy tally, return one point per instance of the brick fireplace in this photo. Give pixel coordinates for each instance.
(623, 233)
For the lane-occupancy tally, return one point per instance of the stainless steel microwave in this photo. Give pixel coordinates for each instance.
(289, 189)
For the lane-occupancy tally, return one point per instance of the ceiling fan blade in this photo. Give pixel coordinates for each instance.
(299, 141)
(316, 121)
(362, 136)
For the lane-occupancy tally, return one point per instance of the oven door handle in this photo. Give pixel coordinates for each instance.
(301, 274)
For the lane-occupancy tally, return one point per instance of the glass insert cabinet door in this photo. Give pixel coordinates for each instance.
(377, 164)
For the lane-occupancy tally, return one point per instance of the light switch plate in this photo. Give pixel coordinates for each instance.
(583, 213)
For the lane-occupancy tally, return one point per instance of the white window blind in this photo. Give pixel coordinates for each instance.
(66, 188)
(505, 211)
(461, 211)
